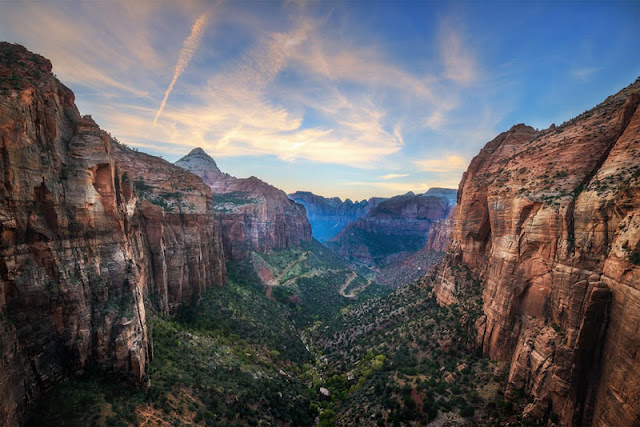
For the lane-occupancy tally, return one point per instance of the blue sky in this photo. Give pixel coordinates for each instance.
(349, 99)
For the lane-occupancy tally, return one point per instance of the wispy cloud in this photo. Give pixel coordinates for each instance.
(394, 175)
(186, 53)
(584, 73)
(460, 64)
(418, 187)
(450, 163)
(293, 86)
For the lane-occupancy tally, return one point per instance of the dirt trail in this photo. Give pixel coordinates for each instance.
(354, 291)
(276, 280)
(346, 285)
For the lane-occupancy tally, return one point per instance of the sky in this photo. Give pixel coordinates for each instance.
(343, 98)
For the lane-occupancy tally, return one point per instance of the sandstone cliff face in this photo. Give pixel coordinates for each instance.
(329, 216)
(76, 254)
(394, 229)
(184, 239)
(550, 223)
(255, 216)
(72, 290)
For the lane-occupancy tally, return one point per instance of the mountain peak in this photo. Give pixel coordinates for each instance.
(198, 152)
(198, 159)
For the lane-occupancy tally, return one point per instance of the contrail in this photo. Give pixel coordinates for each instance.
(188, 48)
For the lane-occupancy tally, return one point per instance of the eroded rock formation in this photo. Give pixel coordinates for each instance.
(549, 223)
(184, 239)
(78, 252)
(329, 216)
(255, 216)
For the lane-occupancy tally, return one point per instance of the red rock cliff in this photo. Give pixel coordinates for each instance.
(549, 222)
(184, 239)
(77, 255)
(255, 216)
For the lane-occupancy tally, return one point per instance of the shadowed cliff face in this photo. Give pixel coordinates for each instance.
(78, 246)
(329, 216)
(255, 216)
(394, 229)
(550, 222)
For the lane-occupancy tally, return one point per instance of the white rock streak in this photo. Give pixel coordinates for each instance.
(186, 53)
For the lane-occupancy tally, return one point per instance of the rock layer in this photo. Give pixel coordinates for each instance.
(549, 222)
(255, 216)
(329, 216)
(77, 252)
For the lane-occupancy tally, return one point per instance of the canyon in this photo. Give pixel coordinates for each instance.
(525, 279)
(394, 229)
(328, 216)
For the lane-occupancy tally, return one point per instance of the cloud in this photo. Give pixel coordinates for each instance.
(186, 53)
(584, 73)
(451, 163)
(418, 187)
(292, 84)
(336, 60)
(460, 64)
(235, 112)
(86, 52)
(394, 176)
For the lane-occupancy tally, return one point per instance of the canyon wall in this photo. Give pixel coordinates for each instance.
(255, 216)
(549, 224)
(80, 251)
(184, 239)
(329, 216)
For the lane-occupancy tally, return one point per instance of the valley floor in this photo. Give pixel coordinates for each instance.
(258, 352)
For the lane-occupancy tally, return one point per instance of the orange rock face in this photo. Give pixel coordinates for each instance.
(77, 255)
(255, 216)
(549, 222)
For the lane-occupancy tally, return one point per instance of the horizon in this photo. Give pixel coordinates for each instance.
(340, 99)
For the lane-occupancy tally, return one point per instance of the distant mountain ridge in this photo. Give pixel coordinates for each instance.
(255, 216)
(395, 228)
(328, 216)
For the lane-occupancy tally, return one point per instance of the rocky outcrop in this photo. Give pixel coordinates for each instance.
(77, 252)
(549, 223)
(394, 229)
(255, 216)
(329, 216)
